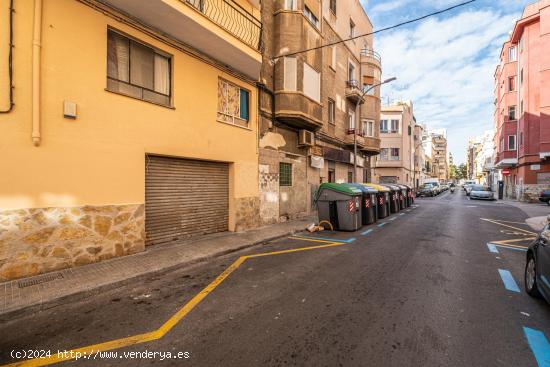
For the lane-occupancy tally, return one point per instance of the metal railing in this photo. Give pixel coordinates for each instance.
(351, 131)
(371, 53)
(353, 84)
(233, 18)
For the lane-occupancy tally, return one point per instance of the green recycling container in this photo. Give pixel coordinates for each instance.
(339, 205)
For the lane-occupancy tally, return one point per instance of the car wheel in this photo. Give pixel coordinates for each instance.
(531, 276)
(548, 202)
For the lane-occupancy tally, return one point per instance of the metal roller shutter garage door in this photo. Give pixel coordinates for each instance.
(184, 198)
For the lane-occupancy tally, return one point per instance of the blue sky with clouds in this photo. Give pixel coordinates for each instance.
(445, 64)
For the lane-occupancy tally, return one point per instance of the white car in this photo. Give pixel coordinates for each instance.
(481, 192)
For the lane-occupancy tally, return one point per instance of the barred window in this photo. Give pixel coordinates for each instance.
(285, 174)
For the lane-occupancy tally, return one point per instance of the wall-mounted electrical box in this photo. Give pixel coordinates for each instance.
(69, 110)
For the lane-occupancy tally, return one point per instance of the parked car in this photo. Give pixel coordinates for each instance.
(545, 197)
(444, 187)
(481, 192)
(427, 189)
(437, 188)
(537, 267)
(467, 184)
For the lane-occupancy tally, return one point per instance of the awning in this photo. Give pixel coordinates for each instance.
(508, 162)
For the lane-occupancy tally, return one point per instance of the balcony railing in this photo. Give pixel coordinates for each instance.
(371, 53)
(353, 91)
(350, 131)
(353, 84)
(233, 18)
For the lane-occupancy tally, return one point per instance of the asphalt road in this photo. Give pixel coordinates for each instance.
(422, 290)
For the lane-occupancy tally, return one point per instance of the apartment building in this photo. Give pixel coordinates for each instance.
(440, 155)
(125, 124)
(480, 158)
(419, 156)
(522, 106)
(396, 161)
(428, 148)
(312, 104)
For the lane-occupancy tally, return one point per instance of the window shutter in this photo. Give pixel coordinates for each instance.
(142, 60)
(244, 105)
(290, 73)
(312, 84)
(118, 57)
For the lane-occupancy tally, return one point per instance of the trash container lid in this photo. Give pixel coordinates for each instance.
(377, 187)
(392, 187)
(348, 189)
(365, 189)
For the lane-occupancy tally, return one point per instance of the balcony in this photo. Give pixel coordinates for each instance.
(371, 57)
(348, 139)
(353, 91)
(372, 146)
(221, 29)
(299, 111)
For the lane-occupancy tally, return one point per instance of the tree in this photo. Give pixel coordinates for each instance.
(461, 172)
(453, 172)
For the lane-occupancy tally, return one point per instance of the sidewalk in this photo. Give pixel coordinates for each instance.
(537, 212)
(52, 289)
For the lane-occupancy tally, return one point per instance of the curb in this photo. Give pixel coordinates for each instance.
(83, 294)
(536, 223)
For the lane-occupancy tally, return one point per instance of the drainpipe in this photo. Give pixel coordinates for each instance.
(10, 61)
(518, 106)
(36, 50)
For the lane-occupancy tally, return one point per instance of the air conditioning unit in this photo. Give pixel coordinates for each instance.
(306, 138)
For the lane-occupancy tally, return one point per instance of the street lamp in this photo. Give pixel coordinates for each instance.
(359, 101)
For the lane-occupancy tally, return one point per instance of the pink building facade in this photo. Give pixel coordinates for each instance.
(522, 106)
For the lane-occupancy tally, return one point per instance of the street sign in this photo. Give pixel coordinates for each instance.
(506, 172)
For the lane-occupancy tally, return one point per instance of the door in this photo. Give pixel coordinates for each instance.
(184, 198)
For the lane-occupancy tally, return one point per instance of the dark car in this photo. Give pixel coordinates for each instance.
(427, 190)
(545, 197)
(537, 269)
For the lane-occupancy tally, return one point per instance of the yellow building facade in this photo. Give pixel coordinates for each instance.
(128, 127)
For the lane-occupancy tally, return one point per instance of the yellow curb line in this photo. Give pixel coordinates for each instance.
(507, 242)
(86, 353)
(506, 225)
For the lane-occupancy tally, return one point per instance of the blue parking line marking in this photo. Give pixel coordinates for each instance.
(382, 224)
(504, 246)
(492, 248)
(539, 346)
(513, 248)
(366, 232)
(327, 239)
(508, 280)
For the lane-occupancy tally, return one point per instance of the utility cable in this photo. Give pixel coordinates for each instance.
(379, 30)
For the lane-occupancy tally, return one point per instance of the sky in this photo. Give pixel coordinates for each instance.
(444, 64)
